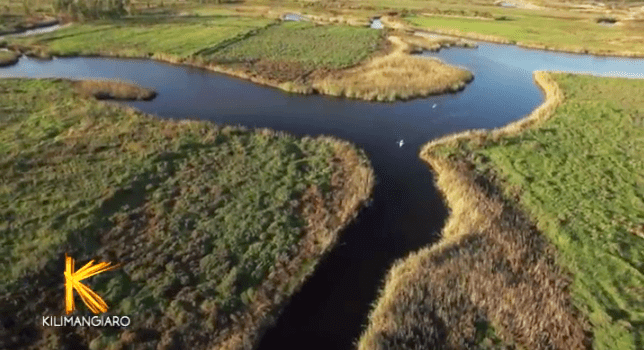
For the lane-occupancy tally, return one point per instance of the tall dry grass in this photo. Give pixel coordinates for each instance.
(492, 267)
(340, 19)
(397, 75)
(113, 90)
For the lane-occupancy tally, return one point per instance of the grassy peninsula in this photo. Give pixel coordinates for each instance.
(544, 244)
(215, 227)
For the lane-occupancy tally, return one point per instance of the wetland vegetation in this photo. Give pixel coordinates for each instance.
(295, 56)
(113, 90)
(543, 247)
(215, 226)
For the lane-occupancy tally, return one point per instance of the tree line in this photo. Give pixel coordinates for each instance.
(92, 9)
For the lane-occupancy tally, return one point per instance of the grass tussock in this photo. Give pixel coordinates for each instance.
(113, 90)
(397, 75)
(215, 226)
(8, 58)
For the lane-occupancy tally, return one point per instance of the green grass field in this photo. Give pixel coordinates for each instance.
(580, 177)
(569, 31)
(178, 36)
(310, 45)
(198, 214)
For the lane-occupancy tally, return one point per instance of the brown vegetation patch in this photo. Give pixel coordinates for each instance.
(113, 90)
(278, 71)
(492, 268)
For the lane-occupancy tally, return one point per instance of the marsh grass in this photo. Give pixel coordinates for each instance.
(113, 90)
(215, 226)
(312, 46)
(542, 237)
(294, 56)
(397, 75)
(492, 268)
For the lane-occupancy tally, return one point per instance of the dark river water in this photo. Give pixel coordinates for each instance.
(331, 309)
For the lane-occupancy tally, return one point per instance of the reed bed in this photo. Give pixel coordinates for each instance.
(113, 90)
(397, 75)
(491, 281)
(553, 98)
(534, 205)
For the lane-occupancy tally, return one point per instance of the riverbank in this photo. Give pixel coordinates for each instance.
(296, 57)
(215, 227)
(541, 249)
(550, 34)
(11, 25)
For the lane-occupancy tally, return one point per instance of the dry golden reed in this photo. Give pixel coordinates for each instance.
(8, 58)
(397, 75)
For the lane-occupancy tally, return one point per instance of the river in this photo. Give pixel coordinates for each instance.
(331, 309)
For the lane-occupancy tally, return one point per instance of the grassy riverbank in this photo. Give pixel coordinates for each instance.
(215, 227)
(604, 28)
(531, 28)
(545, 238)
(339, 60)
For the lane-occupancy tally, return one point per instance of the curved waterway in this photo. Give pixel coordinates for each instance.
(331, 309)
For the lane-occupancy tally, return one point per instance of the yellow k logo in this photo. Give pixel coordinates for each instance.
(72, 281)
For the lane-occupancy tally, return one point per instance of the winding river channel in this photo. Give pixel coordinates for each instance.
(331, 309)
